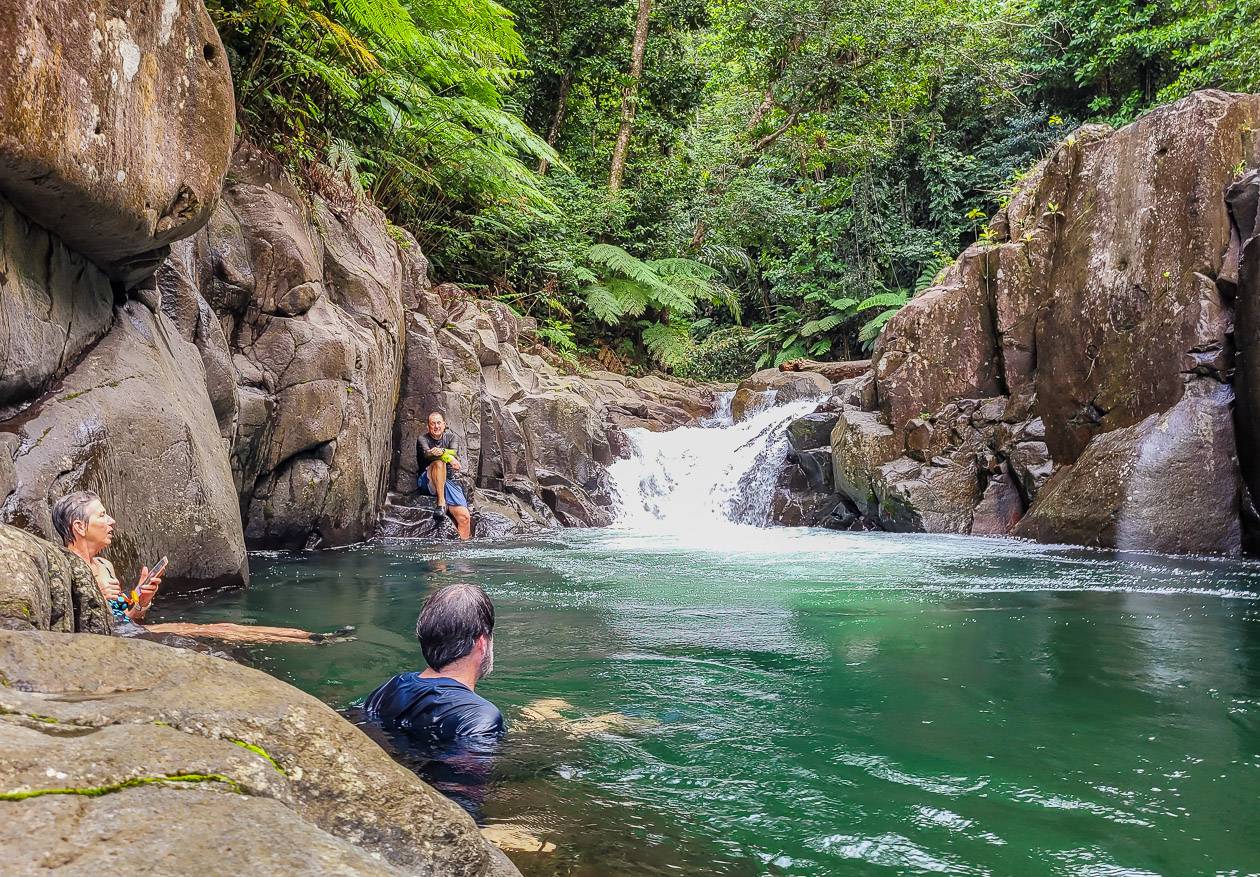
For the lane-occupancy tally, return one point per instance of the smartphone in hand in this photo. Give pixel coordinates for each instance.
(156, 571)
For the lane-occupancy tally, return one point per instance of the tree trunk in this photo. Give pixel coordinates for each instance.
(629, 96)
(557, 121)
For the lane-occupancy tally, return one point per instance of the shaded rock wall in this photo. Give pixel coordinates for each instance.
(243, 773)
(296, 308)
(1077, 371)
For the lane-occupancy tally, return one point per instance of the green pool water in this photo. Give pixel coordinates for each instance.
(817, 703)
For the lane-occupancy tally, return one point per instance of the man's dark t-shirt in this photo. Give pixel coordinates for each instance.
(438, 709)
(426, 443)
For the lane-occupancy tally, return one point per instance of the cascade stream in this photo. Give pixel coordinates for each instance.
(706, 478)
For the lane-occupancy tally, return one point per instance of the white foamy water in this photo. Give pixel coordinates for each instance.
(707, 479)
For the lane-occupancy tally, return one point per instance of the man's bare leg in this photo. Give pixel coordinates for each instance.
(239, 633)
(437, 480)
(463, 521)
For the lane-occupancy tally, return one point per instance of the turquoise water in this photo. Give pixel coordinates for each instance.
(817, 703)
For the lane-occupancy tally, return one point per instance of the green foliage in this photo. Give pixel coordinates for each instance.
(403, 98)
(722, 355)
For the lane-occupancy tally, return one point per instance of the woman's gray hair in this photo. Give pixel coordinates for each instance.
(70, 508)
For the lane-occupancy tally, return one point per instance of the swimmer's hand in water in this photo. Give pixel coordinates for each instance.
(340, 635)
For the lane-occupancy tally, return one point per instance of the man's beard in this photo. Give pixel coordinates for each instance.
(487, 661)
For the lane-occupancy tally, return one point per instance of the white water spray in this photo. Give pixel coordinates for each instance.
(705, 478)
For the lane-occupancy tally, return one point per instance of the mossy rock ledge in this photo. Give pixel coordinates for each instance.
(128, 756)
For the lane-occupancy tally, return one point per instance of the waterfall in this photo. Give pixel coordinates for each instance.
(706, 477)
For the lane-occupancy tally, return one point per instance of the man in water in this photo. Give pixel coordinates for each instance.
(434, 722)
(435, 451)
(86, 530)
(440, 705)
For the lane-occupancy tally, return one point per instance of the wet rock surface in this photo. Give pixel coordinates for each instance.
(198, 760)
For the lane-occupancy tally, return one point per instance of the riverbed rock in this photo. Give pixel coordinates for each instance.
(118, 122)
(1168, 484)
(774, 387)
(812, 430)
(861, 444)
(219, 755)
(1107, 288)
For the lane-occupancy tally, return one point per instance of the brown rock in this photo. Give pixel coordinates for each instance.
(939, 497)
(860, 445)
(774, 387)
(1000, 508)
(1168, 484)
(118, 123)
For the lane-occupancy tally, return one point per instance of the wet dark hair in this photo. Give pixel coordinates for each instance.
(450, 622)
(70, 508)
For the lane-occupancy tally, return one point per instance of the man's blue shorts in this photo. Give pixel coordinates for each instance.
(454, 493)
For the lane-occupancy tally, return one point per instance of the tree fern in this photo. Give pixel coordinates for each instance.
(669, 344)
(882, 300)
(602, 304)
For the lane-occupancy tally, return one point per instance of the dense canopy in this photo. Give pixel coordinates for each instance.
(705, 186)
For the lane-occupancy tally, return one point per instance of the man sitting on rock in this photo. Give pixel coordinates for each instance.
(86, 529)
(435, 451)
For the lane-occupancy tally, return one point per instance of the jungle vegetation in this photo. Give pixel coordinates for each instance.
(705, 186)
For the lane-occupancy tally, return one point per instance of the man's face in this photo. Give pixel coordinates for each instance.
(98, 531)
(437, 425)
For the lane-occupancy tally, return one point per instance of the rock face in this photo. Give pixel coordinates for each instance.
(1079, 369)
(103, 736)
(296, 309)
(46, 588)
(118, 123)
(118, 126)
(775, 387)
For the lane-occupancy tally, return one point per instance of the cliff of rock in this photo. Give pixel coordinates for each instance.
(1073, 379)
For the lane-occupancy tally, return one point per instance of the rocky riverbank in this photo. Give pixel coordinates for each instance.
(232, 360)
(1084, 375)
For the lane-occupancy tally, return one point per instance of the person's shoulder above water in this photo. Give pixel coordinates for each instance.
(437, 705)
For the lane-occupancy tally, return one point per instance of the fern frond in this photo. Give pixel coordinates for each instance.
(825, 324)
(883, 300)
(871, 329)
(670, 344)
(603, 304)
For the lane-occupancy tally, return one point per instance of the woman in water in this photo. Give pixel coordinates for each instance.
(86, 529)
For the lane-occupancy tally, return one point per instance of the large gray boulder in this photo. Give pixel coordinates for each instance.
(201, 763)
(118, 122)
(133, 422)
